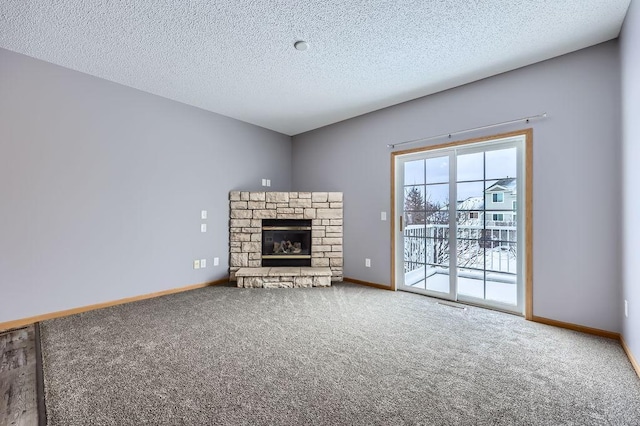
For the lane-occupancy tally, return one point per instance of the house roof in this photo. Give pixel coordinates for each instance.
(471, 203)
(507, 184)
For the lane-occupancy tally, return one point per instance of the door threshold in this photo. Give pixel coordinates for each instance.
(452, 305)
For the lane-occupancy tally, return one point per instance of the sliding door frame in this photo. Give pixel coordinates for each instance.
(528, 212)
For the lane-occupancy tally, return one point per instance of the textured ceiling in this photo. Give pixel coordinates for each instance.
(236, 57)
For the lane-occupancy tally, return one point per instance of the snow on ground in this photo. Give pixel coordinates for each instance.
(472, 287)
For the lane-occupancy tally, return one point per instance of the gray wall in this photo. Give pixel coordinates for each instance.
(101, 188)
(576, 178)
(631, 175)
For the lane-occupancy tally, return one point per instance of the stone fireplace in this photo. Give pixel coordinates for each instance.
(292, 234)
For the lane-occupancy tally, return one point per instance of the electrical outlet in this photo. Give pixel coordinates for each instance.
(268, 182)
(196, 264)
(626, 309)
(383, 215)
(203, 214)
(216, 261)
(203, 263)
(203, 227)
(367, 263)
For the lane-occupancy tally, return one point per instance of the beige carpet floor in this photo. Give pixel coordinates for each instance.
(345, 355)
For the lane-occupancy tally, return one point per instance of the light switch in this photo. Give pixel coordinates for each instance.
(203, 263)
(203, 214)
(203, 227)
(216, 261)
(264, 182)
(196, 264)
(383, 215)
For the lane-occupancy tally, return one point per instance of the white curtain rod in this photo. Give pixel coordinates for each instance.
(526, 119)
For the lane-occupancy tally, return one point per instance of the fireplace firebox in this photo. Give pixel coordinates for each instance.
(286, 242)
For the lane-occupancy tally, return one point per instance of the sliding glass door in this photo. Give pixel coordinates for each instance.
(426, 226)
(469, 249)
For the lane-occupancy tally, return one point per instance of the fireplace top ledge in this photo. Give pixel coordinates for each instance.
(284, 271)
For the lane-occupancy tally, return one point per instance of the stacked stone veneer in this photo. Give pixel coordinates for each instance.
(283, 277)
(247, 209)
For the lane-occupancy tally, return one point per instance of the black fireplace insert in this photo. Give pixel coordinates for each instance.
(286, 242)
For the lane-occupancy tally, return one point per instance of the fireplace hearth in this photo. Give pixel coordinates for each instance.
(286, 242)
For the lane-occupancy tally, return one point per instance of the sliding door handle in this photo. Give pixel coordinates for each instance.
(401, 223)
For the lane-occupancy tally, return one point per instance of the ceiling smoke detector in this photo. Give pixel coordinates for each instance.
(301, 45)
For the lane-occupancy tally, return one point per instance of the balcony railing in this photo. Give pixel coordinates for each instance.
(491, 247)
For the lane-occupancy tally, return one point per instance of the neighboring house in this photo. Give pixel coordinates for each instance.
(501, 202)
(471, 211)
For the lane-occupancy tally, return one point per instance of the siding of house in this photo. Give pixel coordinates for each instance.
(507, 204)
(101, 188)
(576, 273)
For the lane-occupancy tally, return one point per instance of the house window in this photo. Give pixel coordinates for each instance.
(498, 217)
(498, 197)
(474, 215)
